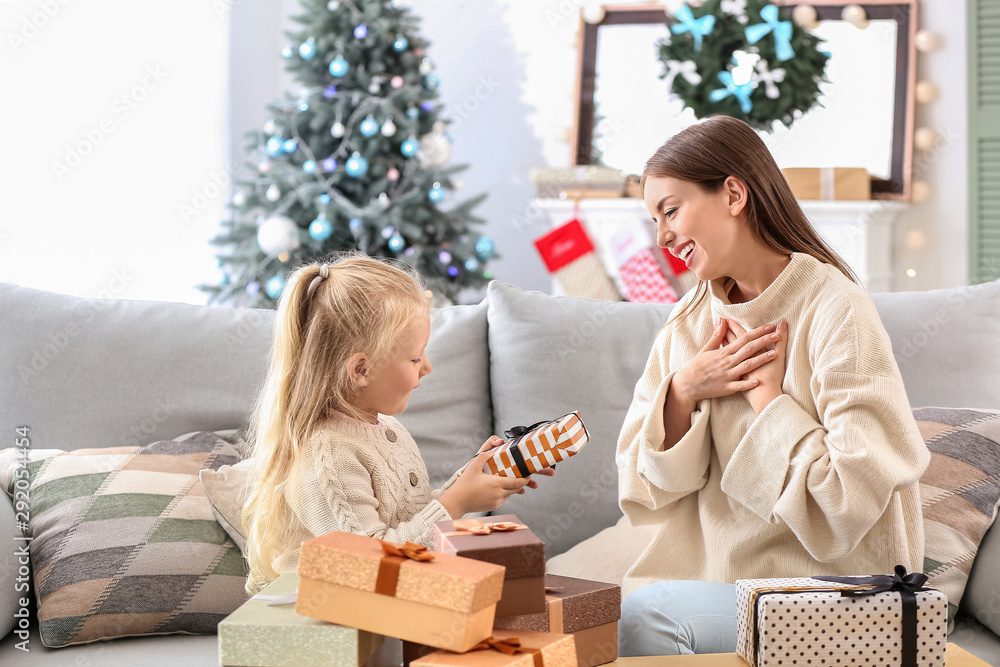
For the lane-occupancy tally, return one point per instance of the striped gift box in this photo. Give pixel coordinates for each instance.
(539, 446)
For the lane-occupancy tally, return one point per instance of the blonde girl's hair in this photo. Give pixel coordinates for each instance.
(721, 146)
(360, 305)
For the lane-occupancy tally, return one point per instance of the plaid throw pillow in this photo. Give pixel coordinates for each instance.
(960, 492)
(124, 541)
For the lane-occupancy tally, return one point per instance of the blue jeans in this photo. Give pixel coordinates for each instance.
(678, 618)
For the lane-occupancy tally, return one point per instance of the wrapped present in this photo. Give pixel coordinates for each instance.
(852, 183)
(569, 255)
(589, 610)
(402, 591)
(886, 618)
(502, 540)
(640, 270)
(539, 446)
(507, 648)
(266, 632)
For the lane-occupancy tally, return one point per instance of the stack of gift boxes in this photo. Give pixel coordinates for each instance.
(481, 597)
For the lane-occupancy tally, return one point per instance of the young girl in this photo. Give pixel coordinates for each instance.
(349, 347)
(770, 434)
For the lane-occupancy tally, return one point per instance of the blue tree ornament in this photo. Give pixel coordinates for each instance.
(357, 166)
(397, 243)
(307, 50)
(400, 44)
(369, 126)
(410, 147)
(320, 229)
(485, 248)
(436, 194)
(339, 67)
(275, 286)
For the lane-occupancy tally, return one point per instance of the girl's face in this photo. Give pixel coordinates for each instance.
(389, 386)
(701, 228)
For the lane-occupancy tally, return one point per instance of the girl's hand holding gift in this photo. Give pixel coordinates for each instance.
(478, 491)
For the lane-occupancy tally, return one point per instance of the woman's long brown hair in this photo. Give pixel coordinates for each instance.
(721, 146)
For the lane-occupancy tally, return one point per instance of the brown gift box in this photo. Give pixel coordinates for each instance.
(447, 602)
(520, 551)
(829, 182)
(589, 610)
(537, 649)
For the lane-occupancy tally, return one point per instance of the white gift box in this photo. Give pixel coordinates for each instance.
(800, 621)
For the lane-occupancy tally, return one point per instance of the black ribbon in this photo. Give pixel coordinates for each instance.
(907, 585)
(518, 432)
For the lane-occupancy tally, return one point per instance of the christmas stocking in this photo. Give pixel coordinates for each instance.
(639, 268)
(569, 255)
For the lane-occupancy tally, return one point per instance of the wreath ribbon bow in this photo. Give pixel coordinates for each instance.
(697, 27)
(740, 92)
(688, 69)
(782, 31)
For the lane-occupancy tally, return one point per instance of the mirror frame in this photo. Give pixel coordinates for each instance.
(904, 12)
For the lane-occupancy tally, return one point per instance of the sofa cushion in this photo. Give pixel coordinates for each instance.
(13, 591)
(960, 492)
(982, 594)
(553, 355)
(133, 371)
(944, 342)
(451, 414)
(124, 541)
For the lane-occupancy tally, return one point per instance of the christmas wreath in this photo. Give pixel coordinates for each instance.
(741, 59)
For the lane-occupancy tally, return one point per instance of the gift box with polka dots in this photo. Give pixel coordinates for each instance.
(806, 621)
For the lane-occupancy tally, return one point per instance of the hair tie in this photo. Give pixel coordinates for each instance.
(324, 273)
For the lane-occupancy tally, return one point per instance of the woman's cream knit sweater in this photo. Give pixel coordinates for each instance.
(361, 478)
(823, 481)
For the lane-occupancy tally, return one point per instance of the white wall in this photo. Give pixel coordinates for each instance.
(114, 116)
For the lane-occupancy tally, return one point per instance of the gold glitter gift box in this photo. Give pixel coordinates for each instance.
(402, 591)
(508, 648)
(266, 632)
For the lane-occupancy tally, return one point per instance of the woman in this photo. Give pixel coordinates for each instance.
(770, 434)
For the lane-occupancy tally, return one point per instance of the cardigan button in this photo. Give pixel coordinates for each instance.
(390, 435)
(413, 479)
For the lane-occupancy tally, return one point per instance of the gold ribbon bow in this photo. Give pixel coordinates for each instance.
(509, 646)
(396, 555)
(477, 527)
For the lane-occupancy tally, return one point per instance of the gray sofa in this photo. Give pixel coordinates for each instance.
(94, 373)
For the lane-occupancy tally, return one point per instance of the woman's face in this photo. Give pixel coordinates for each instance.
(698, 227)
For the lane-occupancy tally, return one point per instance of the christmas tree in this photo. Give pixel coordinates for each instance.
(355, 161)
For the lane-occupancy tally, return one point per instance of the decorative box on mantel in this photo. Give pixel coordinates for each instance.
(861, 232)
